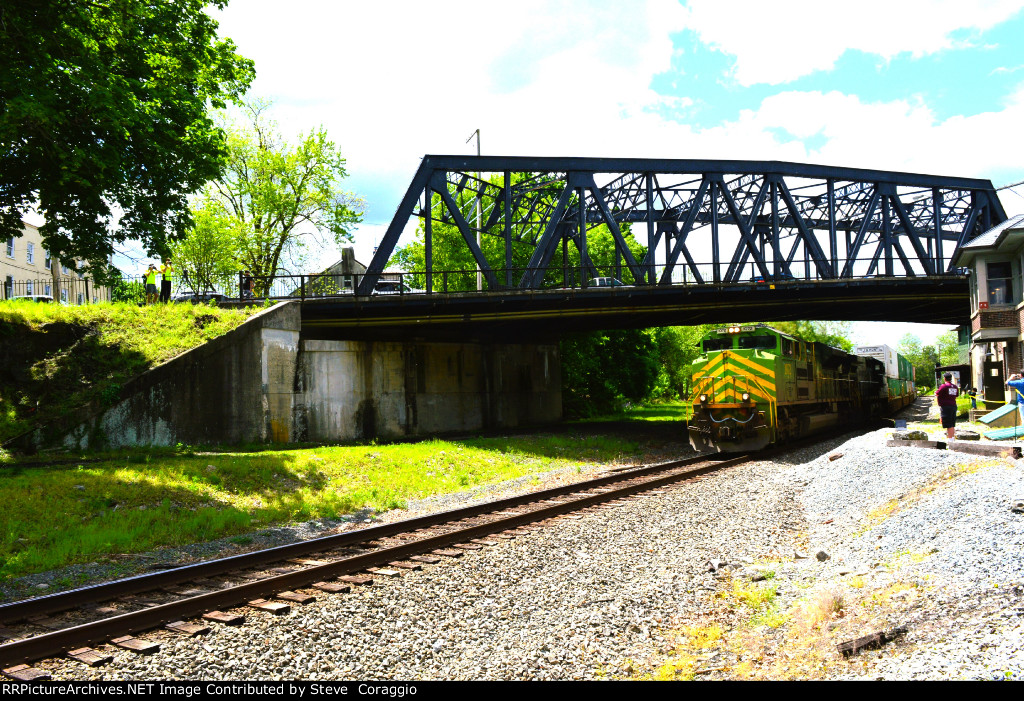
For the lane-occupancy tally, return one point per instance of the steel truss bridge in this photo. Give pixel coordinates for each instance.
(724, 240)
(705, 221)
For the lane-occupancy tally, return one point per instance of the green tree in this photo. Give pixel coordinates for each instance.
(205, 258)
(678, 347)
(104, 108)
(275, 200)
(923, 358)
(833, 333)
(603, 370)
(449, 252)
(948, 347)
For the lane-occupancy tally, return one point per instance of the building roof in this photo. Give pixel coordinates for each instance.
(992, 236)
(992, 239)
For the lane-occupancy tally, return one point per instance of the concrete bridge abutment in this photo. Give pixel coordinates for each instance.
(264, 382)
(359, 390)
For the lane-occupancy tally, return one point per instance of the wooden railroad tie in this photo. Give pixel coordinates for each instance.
(295, 597)
(24, 673)
(357, 579)
(270, 606)
(230, 619)
(875, 640)
(189, 629)
(93, 658)
(135, 645)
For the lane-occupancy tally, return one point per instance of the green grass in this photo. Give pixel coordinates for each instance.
(58, 358)
(134, 504)
(654, 411)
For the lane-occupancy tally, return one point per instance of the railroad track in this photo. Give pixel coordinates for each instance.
(270, 579)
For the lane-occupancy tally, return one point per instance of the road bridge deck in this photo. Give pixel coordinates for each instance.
(530, 315)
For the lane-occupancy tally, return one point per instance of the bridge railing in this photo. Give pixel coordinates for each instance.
(571, 278)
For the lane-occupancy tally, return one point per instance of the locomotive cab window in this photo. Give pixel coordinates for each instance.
(787, 347)
(715, 344)
(758, 342)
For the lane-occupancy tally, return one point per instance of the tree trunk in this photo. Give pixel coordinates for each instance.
(55, 274)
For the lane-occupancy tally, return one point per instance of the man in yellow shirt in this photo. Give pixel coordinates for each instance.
(151, 293)
(167, 270)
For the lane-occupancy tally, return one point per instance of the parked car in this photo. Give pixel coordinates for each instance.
(35, 298)
(607, 282)
(393, 287)
(199, 298)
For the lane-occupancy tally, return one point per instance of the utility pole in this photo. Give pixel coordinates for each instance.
(479, 273)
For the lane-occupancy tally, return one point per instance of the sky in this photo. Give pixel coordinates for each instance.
(932, 86)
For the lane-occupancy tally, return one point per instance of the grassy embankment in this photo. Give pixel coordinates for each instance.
(56, 517)
(144, 499)
(57, 357)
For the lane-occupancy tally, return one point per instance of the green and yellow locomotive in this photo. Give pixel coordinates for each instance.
(753, 386)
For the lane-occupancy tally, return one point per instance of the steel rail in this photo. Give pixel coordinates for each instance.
(57, 642)
(73, 598)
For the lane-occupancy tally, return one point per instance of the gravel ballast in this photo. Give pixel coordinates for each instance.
(599, 595)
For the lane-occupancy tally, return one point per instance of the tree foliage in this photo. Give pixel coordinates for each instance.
(832, 333)
(103, 110)
(206, 258)
(923, 358)
(948, 347)
(603, 370)
(450, 254)
(276, 198)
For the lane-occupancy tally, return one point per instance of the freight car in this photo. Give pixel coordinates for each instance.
(899, 374)
(753, 386)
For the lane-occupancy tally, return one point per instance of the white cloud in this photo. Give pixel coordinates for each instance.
(394, 81)
(780, 41)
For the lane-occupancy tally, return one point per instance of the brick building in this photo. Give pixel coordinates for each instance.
(996, 260)
(26, 271)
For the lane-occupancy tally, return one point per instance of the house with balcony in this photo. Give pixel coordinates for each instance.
(996, 261)
(26, 270)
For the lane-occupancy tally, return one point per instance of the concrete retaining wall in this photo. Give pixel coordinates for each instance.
(236, 388)
(262, 383)
(360, 390)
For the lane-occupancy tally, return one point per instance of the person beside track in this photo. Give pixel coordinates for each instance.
(946, 396)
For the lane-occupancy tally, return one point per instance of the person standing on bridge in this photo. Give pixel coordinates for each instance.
(151, 294)
(946, 395)
(167, 271)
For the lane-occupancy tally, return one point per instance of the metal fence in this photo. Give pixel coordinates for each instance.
(132, 289)
(567, 278)
(72, 290)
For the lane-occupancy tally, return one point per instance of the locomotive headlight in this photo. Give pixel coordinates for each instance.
(746, 396)
(703, 398)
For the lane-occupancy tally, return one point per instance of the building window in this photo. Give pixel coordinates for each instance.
(30, 253)
(10, 247)
(1000, 283)
(47, 289)
(29, 287)
(49, 261)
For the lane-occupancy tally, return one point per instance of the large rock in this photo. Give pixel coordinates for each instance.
(963, 434)
(910, 436)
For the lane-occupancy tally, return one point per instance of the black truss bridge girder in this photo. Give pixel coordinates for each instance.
(706, 221)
